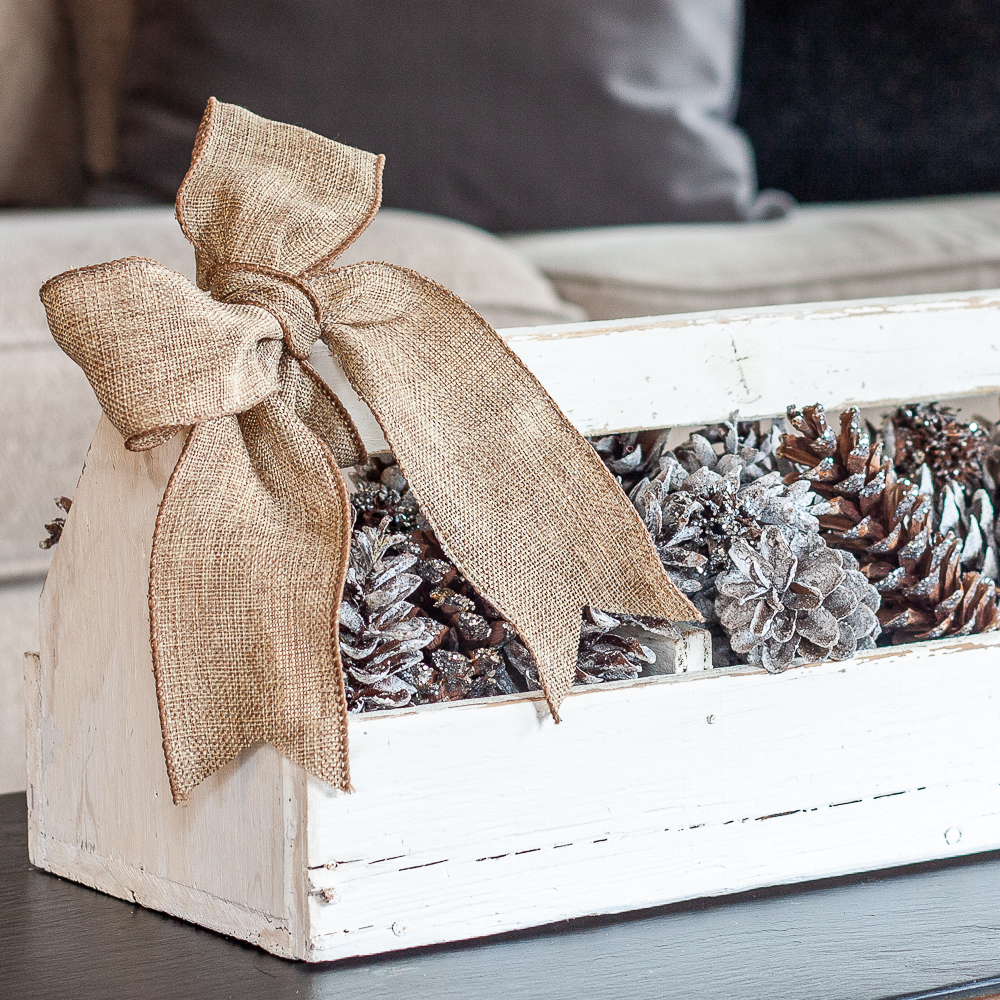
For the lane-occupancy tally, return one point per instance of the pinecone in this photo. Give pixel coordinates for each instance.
(973, 523)
(891, 524)
(872, 512)
(56, 525)
(991, 454)
(632, 456)
(930, 434)
(382, 491)
(381, 634)
(780, 600)
(830, 458)
(744, 446)
(468, 658)
(931, 598)
(694, 519)
(605, 654)
(701, 499)
(475, 652)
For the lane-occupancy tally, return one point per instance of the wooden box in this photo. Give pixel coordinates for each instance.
(479, 817)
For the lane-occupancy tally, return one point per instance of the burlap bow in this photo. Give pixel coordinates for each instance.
(252, 538)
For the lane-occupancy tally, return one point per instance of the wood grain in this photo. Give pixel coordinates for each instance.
(638, 799)
(697, 368)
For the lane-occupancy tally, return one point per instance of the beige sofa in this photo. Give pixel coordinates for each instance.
(49, 413)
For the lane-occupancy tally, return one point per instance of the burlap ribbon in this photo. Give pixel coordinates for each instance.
(252, 538)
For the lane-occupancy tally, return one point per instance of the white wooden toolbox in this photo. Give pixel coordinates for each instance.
(478, 817)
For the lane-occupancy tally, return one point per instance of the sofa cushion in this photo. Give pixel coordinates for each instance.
(48, 409)
(40, 151)
(512, 116)
(504, 287)
(815, 254)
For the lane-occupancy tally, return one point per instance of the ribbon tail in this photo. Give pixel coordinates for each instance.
(249, 557)
(519, 500)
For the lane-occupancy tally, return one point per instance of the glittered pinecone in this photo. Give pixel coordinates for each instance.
(744, 446)
(896, 528)
(780, 601)
(972, 522)
(476, 652)
(477, 632)
(632, 456)
(702, 499)
(381, 491)
(381, 634)
(606, 654)
(694, 519)
(991, 455)
(872, 512)
(468, 655)
(930, 434)
(828, 459)
(931, 598)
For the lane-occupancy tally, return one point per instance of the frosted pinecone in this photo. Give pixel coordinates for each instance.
(474, 652)
(931, 435)
(381, 637)
(702, 499)
(632, 456)
(694, 520)
(609, 651)
(744, 446)
(780, 601)
(973, 523)
(468, 657)
(381, 490)
(945, 584)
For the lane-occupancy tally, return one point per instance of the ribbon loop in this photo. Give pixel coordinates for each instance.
(159, 355)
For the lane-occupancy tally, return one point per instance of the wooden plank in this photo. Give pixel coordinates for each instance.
(698, 367)
(476, 819)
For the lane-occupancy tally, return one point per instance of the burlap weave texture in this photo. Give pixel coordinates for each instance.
(252, 539)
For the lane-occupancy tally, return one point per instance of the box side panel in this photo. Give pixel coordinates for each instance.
(101, 805)
(478, 819)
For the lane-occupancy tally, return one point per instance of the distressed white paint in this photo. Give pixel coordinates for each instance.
(699, 367)
(484, 816)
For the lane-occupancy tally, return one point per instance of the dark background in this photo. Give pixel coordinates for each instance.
(846, 100)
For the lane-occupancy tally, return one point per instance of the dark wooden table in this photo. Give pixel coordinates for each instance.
(930, 931)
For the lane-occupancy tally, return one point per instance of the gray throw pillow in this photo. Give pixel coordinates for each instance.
(521, 115)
